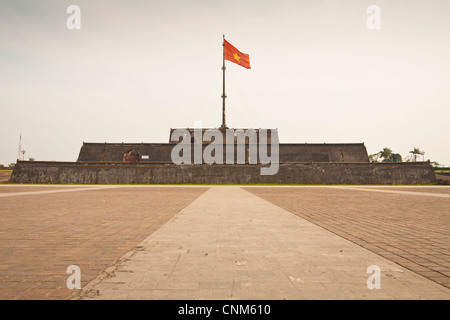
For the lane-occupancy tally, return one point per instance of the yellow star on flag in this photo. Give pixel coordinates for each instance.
(237, 57)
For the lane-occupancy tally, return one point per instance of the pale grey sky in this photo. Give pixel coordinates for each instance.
(138, 68)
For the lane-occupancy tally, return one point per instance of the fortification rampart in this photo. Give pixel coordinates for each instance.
(289, 173)
(288, 152)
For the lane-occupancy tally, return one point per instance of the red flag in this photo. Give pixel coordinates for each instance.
(234, 55)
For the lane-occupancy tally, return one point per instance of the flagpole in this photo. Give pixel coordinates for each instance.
(224, 126)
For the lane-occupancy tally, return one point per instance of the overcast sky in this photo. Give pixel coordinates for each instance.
(137, 68)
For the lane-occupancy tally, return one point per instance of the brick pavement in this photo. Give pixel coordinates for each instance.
(411, 230)
(231, 244)
(41, 235)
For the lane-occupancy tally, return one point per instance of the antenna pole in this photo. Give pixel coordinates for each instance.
(20, 147)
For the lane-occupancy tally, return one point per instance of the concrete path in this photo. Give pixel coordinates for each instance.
(392, 190)
(50, 190)
(231, 244)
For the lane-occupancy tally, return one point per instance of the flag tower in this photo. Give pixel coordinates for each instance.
(234, 55)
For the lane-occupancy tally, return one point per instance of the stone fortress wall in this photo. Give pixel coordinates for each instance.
(151, 163)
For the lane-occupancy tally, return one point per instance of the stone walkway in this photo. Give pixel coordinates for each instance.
(231, 244)
(407, 225)
(224, 242)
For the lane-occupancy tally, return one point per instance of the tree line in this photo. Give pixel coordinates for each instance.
(387, 155)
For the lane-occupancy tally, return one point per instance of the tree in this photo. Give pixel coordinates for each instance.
(11, 165)
(374, 157)
(435, 164)
(30, 159)
(386, 154)
(415, 152)
(396, 157)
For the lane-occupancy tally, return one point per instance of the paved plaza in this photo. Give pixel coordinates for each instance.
(224, 242)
